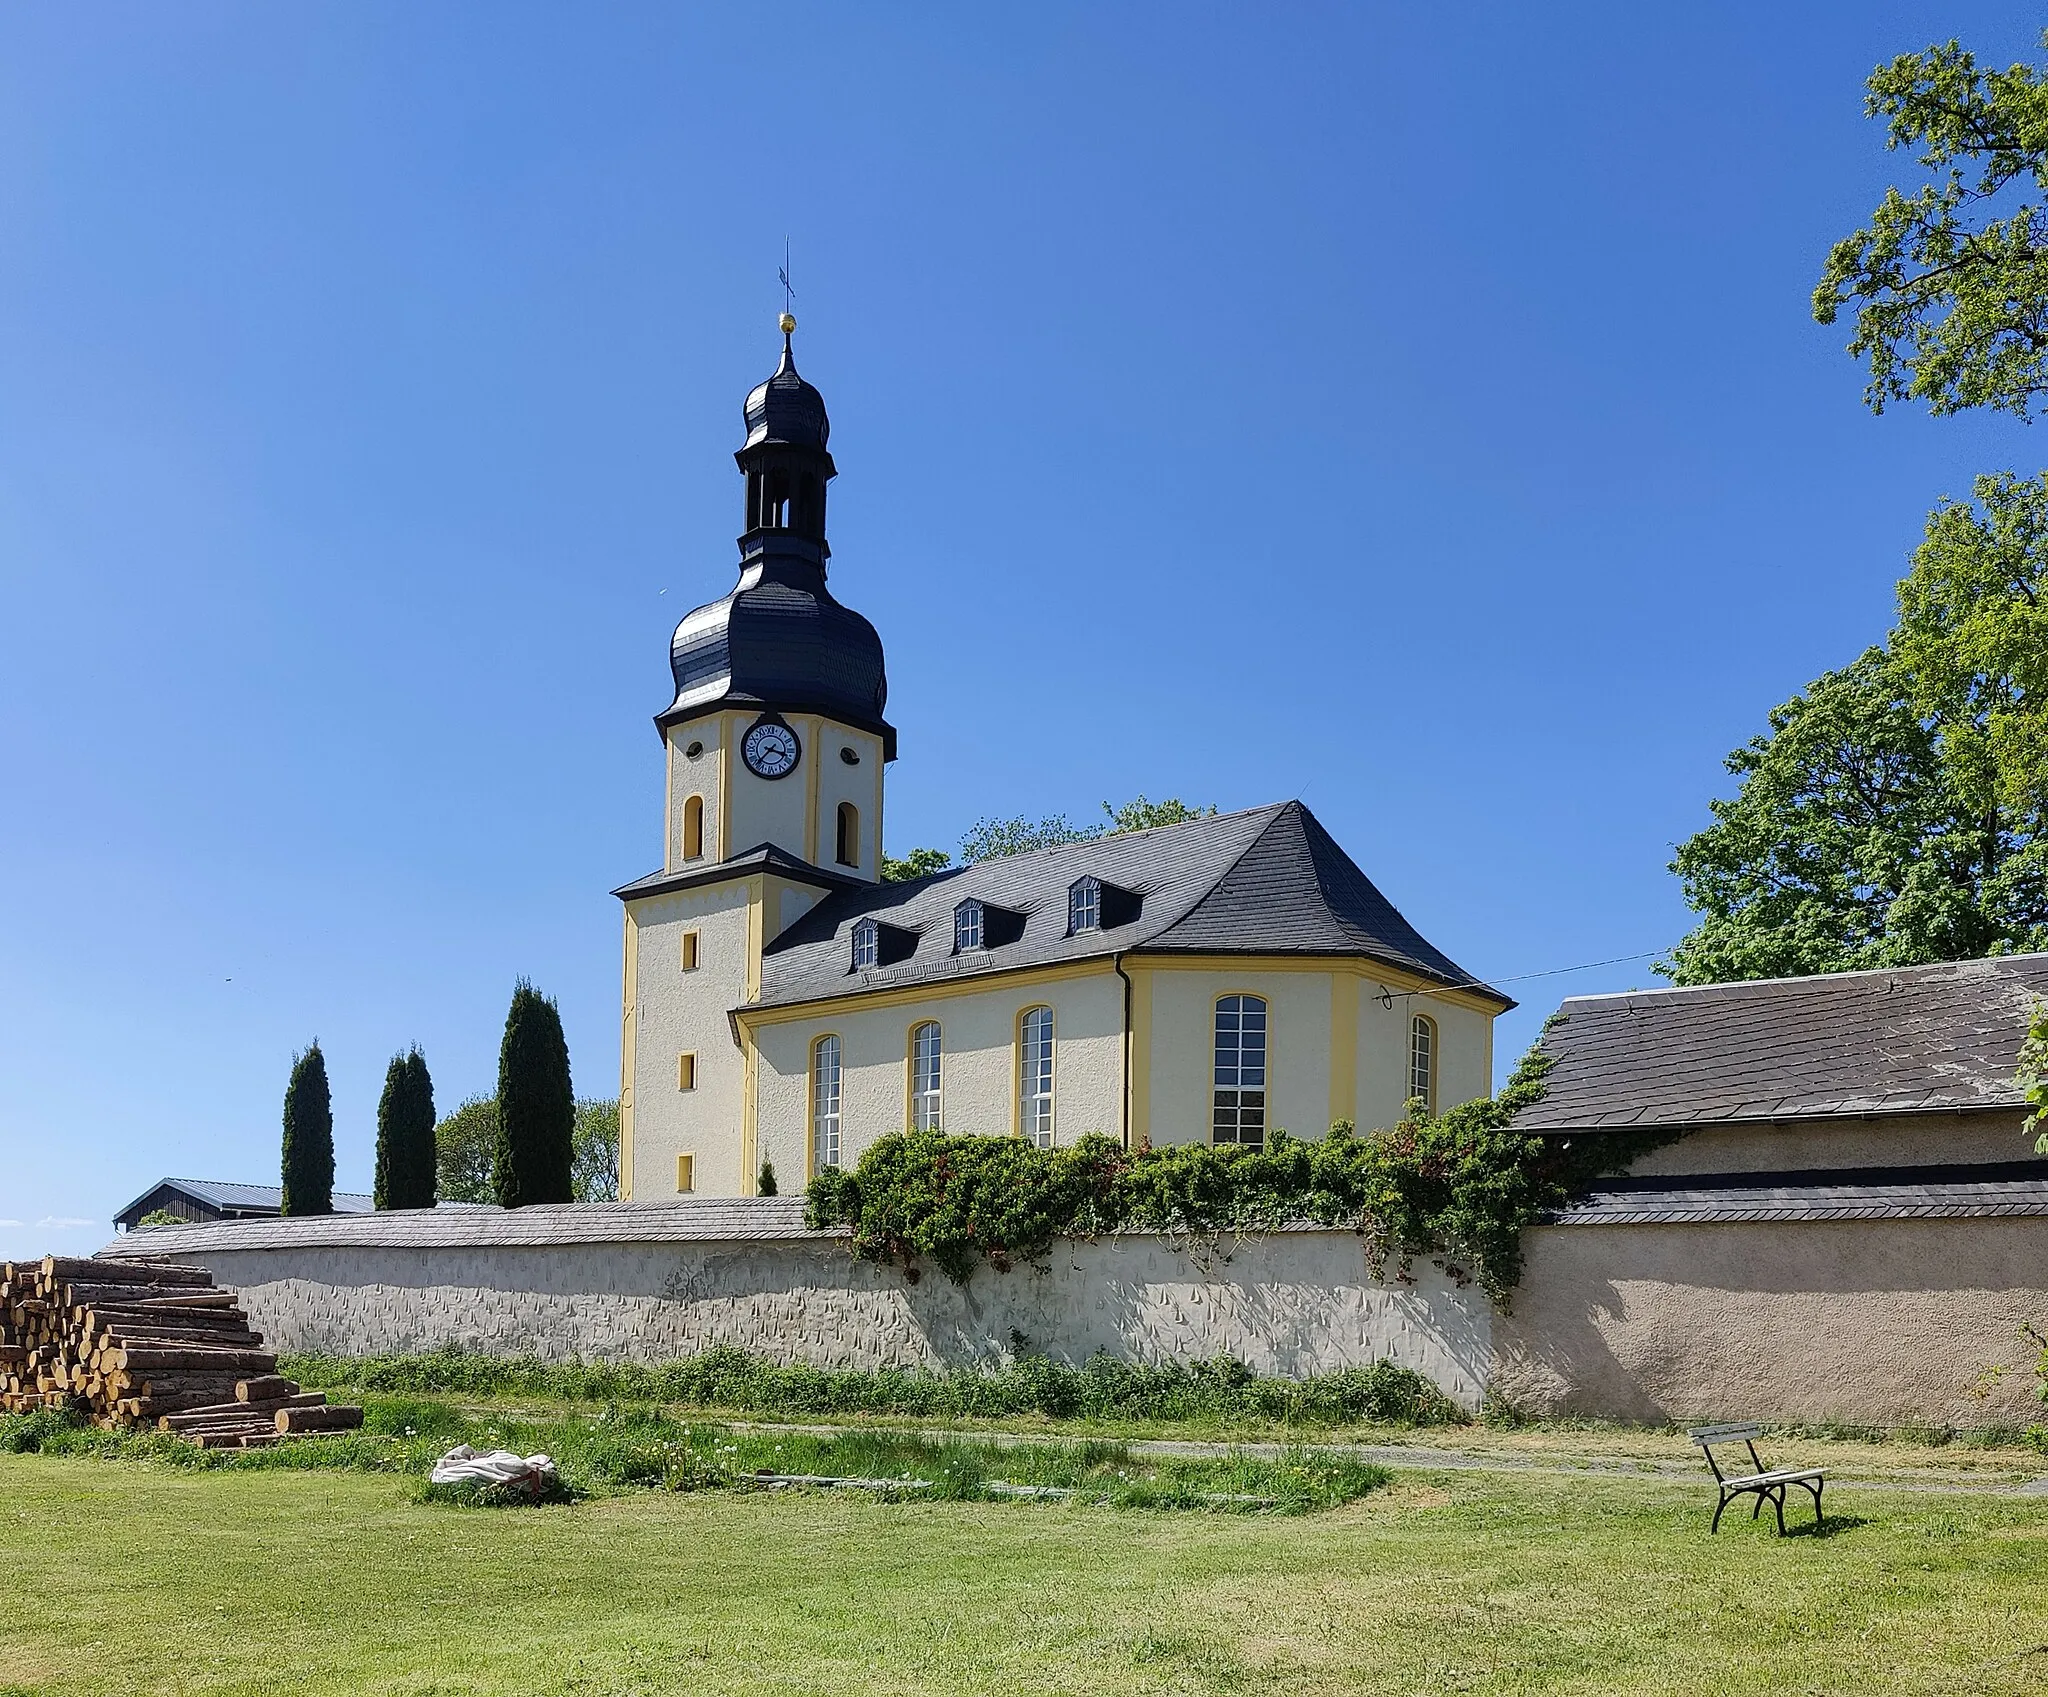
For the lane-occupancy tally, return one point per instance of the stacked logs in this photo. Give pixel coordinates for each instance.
(132, 1343)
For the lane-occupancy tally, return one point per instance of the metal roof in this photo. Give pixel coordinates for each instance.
(222, 1193)
(1269, 880)
(1860, 1193)
(1910, 1039)
(786, 408)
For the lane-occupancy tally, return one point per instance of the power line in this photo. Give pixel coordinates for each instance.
(1386, 997)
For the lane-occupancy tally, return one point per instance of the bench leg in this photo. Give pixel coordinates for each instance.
(1720, 1509)
(1778, 1503)
(1816, 1488)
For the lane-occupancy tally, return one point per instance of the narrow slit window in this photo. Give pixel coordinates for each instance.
(968, 926)
(689, 951)
(824, 1103)
(1034, 1076)
(867, 945)
(686, 1072)
(1084, 905)
(1240, 1089)
(686, 1174)
(849, 834)
(1422, 1061)
(926, 1083)
(693, 828)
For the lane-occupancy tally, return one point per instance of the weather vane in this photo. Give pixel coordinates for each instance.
(788, 294)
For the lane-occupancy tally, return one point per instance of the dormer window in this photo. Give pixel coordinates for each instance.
(969, 929)
(1084, 905)
(867, 945)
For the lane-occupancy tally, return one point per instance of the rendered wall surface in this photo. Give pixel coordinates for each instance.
(1296, 1304)
(1868, 1321)
(978, 1036)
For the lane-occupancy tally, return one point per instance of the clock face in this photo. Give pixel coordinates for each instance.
(770, 750)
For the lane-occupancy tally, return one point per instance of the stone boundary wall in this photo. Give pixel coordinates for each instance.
(1877, 1321)
(1293, 1304)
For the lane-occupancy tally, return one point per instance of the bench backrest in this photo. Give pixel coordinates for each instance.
(1708, 1436)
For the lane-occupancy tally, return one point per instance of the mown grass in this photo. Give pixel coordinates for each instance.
(128, 1576)
(623, 1448)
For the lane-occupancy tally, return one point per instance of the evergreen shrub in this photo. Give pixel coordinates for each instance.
(534, 1160)
(308, 1137)
(405, 1134)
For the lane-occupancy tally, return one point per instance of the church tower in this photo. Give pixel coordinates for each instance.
(776, 732)
(774, 745)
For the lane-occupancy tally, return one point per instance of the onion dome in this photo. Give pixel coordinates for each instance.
(786, 408)
(780, 641)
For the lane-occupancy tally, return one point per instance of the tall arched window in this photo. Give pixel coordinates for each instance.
(1034, 1076)
(1240, 1109)
(824, 1103)
(925, 1082)
(849, 834)
(1422, 1061)
(693, 828)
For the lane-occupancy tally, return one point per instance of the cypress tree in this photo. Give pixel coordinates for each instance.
(535, 1154)
(405, 1134)
(308, 1137)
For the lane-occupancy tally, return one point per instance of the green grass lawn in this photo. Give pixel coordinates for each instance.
(124, 1577)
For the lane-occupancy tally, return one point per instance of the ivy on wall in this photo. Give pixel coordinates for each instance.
(1458, 1187)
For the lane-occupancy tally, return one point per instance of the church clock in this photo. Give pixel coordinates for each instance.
(770, 749)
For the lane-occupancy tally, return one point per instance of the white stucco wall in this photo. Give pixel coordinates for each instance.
(698, 776)
(978, 1026)
(836, 782)
(677, 1011)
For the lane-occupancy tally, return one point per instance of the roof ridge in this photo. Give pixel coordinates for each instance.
(1724, 984)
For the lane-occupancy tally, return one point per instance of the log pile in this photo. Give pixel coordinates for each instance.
(133, 1343)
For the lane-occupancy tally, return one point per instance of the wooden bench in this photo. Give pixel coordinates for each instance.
(1761, 1482)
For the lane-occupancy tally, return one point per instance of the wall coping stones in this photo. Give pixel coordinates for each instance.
(686, 1218)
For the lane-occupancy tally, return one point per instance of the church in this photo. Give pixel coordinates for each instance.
(784, 1006)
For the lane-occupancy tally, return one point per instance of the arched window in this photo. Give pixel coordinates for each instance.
(824, 1103)
(1422, 1061)
(968, 928)
(849, 834)
(1084, 905)
(693, 828)
(867, 945)
(1034, 1076)
(925, 1083)
(1240, 1111)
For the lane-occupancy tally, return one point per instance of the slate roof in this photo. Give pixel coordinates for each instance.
(1269, 880)
(220, 1193)
(763, 857)
(1902, 1040)
(1860, 1193)
(708, 1218)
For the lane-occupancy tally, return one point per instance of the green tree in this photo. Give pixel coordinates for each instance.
(1142, 815)
(535, 1156)
(465, 1144)
(918, 863)
(767, 1185)
(308, 1137)
(405, 1134)
(1949, 284)
(594, 1165)
(993, 837)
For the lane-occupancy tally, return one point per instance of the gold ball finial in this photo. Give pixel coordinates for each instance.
(788, 322)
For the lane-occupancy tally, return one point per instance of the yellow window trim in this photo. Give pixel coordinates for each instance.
(686, 1174)
(691, 949)
(686, 1070)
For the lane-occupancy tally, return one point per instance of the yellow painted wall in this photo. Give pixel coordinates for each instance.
(979, 1028)
(1311, 1079)
(675, 1011)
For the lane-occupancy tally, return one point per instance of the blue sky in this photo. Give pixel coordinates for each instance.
(1411, 409)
